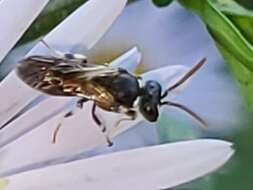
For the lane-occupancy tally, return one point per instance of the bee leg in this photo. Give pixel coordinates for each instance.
(69, 114)
(55, 133)
(96, 119)
(79, 104)
(131, 116)
(109, 141)
(57, 129)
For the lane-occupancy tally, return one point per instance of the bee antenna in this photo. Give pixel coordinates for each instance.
(45, 44)
(185, 77)
(52, 51)
(188, 111)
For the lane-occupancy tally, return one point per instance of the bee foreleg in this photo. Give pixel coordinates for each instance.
(131, 116)
(96, 119)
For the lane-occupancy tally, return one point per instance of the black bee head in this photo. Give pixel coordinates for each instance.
(150, 100)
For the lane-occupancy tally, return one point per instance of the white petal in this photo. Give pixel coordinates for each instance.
(130, 60)
(83, 28)
(32, 119)
(86, 26)
(81, 127)
(150, 168)
(84, 129)
(15, 18)
(14, 96)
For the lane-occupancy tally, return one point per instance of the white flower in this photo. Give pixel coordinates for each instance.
(25, 142)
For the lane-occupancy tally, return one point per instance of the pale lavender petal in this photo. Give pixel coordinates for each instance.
(32, 119)
(15, 18)
(150, 168)
(14, 96)
(81, 127)
(96, 15)
(129, 60)
(83, 28)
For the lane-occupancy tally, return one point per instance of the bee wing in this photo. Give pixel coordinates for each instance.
(59, 77)
(32, 68)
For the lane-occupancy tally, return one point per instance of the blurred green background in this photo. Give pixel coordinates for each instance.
(237, 174)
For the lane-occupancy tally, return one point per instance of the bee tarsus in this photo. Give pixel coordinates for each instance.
(55, 133)
(109, 141)
(69, 114)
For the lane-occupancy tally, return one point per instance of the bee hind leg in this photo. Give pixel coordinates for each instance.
(79, 105)
(55, 133)
(57, 129)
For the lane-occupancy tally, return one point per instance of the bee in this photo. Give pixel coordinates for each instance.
(112, 89)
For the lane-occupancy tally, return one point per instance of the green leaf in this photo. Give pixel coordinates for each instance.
(231, 26)
(54, 13)
(240, 17)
